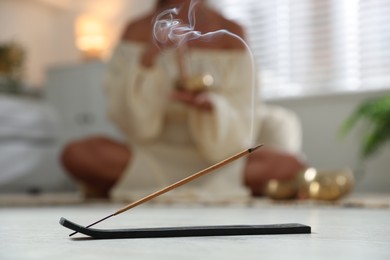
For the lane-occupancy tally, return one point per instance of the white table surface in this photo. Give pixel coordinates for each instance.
(337, 233)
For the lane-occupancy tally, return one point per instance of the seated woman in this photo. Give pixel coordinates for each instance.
(173, 132)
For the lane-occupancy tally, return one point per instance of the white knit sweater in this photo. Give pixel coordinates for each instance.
(171, 140)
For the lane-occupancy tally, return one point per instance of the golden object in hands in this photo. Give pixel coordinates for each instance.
(313, 184)
(197, 83)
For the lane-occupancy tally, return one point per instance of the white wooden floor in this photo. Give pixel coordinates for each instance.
(337, 233)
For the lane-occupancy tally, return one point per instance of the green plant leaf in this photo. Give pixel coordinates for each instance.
(375, 114)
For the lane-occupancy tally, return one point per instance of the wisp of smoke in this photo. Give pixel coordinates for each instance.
(170, 31)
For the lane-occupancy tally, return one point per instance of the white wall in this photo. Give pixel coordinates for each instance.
(321, 119)
(115, 13)
(46, 28)
(34, 26)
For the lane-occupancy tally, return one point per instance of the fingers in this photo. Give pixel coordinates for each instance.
(198, 100)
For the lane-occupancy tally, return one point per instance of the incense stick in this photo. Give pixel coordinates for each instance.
(177, 184)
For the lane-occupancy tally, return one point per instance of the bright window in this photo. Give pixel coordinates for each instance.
(311, 47)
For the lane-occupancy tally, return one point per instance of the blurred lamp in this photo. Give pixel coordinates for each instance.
(91, 37)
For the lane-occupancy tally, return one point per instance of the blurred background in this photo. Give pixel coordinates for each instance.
(320, 58)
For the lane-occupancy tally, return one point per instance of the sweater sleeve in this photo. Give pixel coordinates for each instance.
(227, 129)
(136, 96)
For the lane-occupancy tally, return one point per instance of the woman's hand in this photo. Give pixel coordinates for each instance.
(199, 100)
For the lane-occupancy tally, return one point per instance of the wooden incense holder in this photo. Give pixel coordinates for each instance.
(192, 231)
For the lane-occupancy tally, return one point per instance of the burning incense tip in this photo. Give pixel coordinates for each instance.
(254, 148)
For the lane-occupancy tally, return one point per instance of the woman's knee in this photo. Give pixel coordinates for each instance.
(97, 153)
(271, 163)
(70, 155)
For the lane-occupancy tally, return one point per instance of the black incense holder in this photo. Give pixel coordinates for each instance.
(192, 231)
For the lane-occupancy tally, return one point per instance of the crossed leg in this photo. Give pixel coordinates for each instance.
(96, 162)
